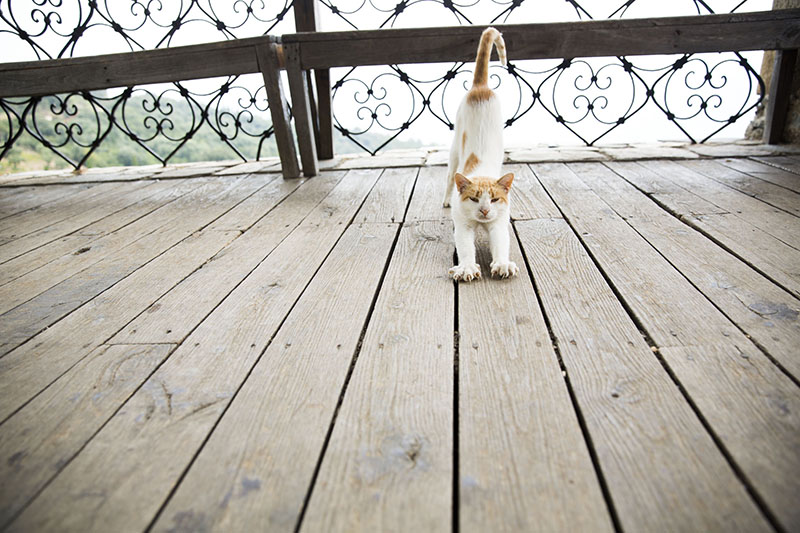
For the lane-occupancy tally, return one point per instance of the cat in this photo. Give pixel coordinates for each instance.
(478, 197)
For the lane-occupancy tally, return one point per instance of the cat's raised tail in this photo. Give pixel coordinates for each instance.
(489, 37)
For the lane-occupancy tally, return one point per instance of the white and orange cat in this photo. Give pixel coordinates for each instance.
(480, 198)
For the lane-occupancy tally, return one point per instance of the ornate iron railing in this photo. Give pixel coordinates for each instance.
(372, 107)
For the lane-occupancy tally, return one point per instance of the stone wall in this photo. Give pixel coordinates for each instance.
(791, 132)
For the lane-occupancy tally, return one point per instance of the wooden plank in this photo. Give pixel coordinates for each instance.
(761, 190)
(48, 432)
(19, 199)
(523, 462)
(255, 470)
(426, 204)
(89, 213)
(17, 226)
(388, 465)
(674, 313)
(769, 256)
(389, 199)
(301, 110)
(178, 312)
(760, 308)
(154, 438)
(528, 199)
(768, 30)
(322, 77)
(686, 177)
(790, 164)
(84, 238)
(780, 88)
(269, 65)
(33, 366)
(662, 469)
(771, 169)
(30, 316)
(34, 78)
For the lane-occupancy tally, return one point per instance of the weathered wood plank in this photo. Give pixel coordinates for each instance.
(22, 224)
(522, 457)
(46, 434)
(279, 110)
(176, 314)
(777, 223)
(426, 204)
(96, 220)
(388, 201)
(82, 280)
(759, 307)
(178, 63)
(528, 199)
(662, 469)
(771, 169)
(780, 89)
(31, 367)
(788, 163)
(770, 256)
(389, 461)
(154, 438)
(768, 30)
(668, 307)
(255, 470)
(301, 110)
(761, 190)
(19, 199)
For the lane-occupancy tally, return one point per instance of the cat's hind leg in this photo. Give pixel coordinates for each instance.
(452, 168)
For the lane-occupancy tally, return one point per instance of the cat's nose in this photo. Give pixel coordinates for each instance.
(484, 211)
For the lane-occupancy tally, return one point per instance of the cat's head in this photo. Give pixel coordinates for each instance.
(483, 199)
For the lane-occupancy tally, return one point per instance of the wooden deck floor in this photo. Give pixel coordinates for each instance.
(225, 350)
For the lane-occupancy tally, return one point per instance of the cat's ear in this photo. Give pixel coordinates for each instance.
(461, 182)
(505, 181)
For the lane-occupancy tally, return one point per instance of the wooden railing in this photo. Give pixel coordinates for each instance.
(307, 52)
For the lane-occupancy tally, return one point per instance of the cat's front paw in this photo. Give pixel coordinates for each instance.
(466, 272)
(504, 269)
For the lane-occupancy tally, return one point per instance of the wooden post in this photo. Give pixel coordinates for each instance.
(270, 64)
(778, 100)
(305, 17)
(301, 109)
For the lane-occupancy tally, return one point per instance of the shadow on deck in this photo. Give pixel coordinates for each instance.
(214, 347)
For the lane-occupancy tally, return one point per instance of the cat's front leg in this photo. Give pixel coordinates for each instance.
(499, 241)
(466, 269)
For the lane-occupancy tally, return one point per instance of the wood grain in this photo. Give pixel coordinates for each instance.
(426, 204)
(48, 432)
(719, 365)
(662, 469)
(768, 30)
(152, 440)
(388, 465)
(528, 199)
(255, 470)
(780, 89)
(776, 170)
(787, 163)
(178, 312)
(388, 201)
(755, 304)
(301, 110)
(523, 460)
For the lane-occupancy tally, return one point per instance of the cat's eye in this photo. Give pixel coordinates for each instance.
(495, 199)
(473, 198)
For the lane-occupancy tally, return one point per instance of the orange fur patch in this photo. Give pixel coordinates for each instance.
(479, 94)
(464, 140)
(471, 164)
(477, 186)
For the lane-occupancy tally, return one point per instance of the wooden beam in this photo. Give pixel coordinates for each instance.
(269, 63)
(780, 88)
(40, 78)
(301, 109)
(767, 30)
